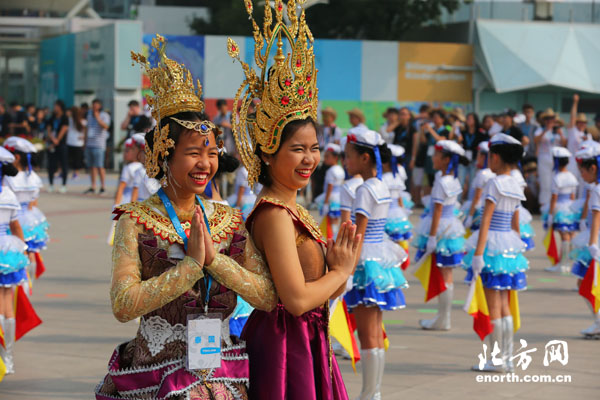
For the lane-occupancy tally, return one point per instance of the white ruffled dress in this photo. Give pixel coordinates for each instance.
(525, 218)
(13, 261)
(398, 227)
(505, 264)
(580, 242)
(378, 279)
(334, 176)
(566, 219)
(479, 182)
(450, 233)
(26, 186)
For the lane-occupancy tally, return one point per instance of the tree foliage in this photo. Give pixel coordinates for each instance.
(340, 19)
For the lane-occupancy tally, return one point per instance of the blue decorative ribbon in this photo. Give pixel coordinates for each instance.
(555, 169)
(378, 162)
(208, 190)
(597, 169)
(175, 219)
(485, 161)
(29, 163)
(453, 165)
(394, 165)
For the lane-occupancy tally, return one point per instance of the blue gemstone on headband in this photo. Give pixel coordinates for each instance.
(206, 143)
(203, 127)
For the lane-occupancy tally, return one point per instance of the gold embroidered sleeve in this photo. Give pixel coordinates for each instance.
(251, 280)
(131, 297)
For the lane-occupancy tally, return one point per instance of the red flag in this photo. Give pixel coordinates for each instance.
(26, 317)
(430, 276)
(406, 262)
(551, 248)
(589, 287)
(476, 306)
(40, 268)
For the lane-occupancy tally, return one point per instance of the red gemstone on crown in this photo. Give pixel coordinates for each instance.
(301, 91)
(285, 100)
(288, 82)
(298, 63)
(280, 6)
(308, 78)
(233, 48)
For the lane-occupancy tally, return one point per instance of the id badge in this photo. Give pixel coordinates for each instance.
(430, 151)
(204, 341)
(469, 155)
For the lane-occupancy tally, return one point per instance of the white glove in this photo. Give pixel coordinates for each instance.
(583, 224)
(324, 209)
(431, 244)
(550, 220)
(477, 266)
(468, 222)
(594, 251)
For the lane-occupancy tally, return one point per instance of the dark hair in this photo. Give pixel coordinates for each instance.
(221, 102)
(28, 105)
(97, 100)
(424, 107)
(175, 131)
(85, 105)
(510, 153)
(9, 170)
(23, 159)
(76, 115)
(133, 103)
(527, 106)
(562, 161)
(588, 163)
(384, 152)
(61, 105)
(439, 112)
(461, 159)
(288, 130)
(227, 164)
(476, 119)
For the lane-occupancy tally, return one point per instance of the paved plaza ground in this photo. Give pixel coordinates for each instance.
(67, 355)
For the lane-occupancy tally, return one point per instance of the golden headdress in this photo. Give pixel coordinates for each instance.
(174, 92)
(286, 88)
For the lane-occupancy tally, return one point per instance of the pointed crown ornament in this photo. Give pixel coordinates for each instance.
(286, 88)
(174, 92)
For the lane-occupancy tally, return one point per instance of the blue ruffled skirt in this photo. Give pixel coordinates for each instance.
(565, 218)
(13, 261)
(505, 264)
(35, 229)
(580, 254)
(378, 279)
(397, 226)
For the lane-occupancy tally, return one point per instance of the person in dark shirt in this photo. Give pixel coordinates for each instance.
(58, 127)
(18, 125)
(135, 121)
(4, 121)
(509, 127)
(404, 136)
(470, 137)
(433, 132)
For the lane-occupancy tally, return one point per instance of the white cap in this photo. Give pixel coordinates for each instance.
(6, 156)
(366, 138)
(560, 152)
(484, 147)
(139, 139)
(503, 138)
(357, 129)
(397, 151)
(588, 150)
(450, 146)
(334, 148)
(19, 144)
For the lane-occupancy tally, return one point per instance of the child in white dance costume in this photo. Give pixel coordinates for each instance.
(473, 207)
(398, 227)
(329, 200)
(559, 214)
(378, 280)
(496, 249)
(26, 185)
(440, 231)
(13, 258)
(525, 218)
(585, 244)
(143, 186)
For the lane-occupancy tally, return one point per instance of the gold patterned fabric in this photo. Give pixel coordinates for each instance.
(242, 272)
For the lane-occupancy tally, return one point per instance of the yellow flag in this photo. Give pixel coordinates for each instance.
(340, 329)
(514, 310)
(2, 369)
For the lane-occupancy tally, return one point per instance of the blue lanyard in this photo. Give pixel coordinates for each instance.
(179, 229)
